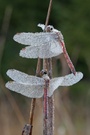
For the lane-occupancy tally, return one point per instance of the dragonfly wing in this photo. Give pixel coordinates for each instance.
(33, 91)
(30, 52)
(56, 48)
(21, 77)
(42, 26)
(36, 39)
(28, 38)
(46, 51)
(67, 80)
(40, 51)
(71, 79)
(54, 84)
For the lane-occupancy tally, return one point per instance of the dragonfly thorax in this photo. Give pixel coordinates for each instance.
(47, 80)
(46, 77)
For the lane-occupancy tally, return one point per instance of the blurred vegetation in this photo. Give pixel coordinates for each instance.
(72, 18)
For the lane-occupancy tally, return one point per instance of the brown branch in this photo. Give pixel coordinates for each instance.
(32, 110)
(47, 64)
(38, 69)
(33, 102)
(50, 67)
(48, 13)
(50, 104)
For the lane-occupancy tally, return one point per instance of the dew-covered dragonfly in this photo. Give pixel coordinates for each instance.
(33, 87)
(44, 44)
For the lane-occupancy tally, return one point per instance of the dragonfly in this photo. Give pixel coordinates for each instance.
(36, 87)
(44, 44)
(33, 86)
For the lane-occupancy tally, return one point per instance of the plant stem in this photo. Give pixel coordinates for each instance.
(48, 13)
(33, 102)
(32, 113)
(50, 103)
(47, 64)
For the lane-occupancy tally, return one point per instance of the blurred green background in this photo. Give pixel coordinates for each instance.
(72, 109)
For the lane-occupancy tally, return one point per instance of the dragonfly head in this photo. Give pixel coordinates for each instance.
(45, 75)
(43, 72)
(49, 28)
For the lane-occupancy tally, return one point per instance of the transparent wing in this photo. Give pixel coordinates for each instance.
(30, 52)
(37, 39)
(67, 80)
(46, 51)
(56, 49)
(21, 77)
(72, 79)
(54, 84)
(33, 91)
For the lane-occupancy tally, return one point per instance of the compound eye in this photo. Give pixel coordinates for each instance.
(51, 28)
(45, 72)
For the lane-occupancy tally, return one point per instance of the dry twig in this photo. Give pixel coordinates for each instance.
(48, 128)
